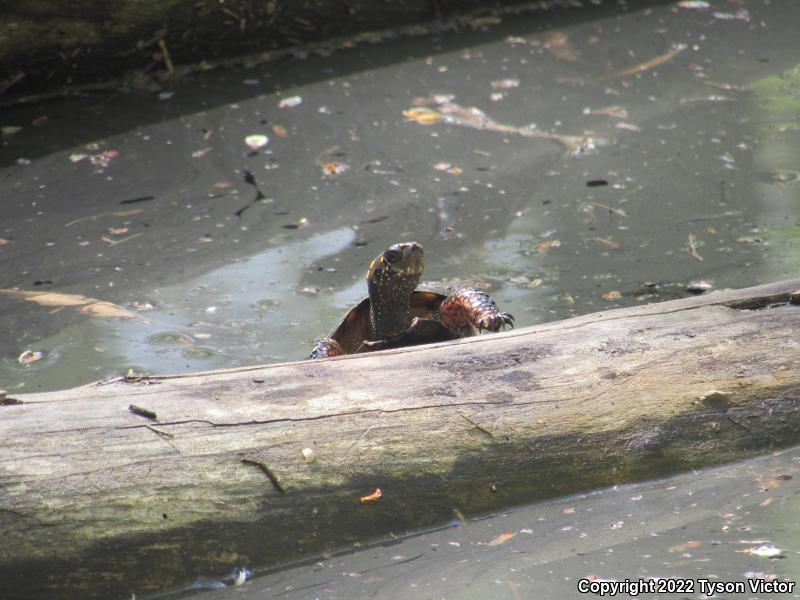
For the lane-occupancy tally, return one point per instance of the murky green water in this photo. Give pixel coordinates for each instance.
(690, 174)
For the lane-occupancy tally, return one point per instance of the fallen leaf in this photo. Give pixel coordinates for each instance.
(334, 168)
(501, 539)
(535, 282)
(610, 243)
(423, 115)
(280, 131)
(544, 247)
(557, 44)
(612, 295)
(29, 356)
(374, 496)
(611, 111)
(90, 306)
(101, 308)
(685, 546)
(49, 298)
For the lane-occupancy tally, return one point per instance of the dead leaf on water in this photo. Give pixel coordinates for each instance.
(611, 111)
(544, 247)
(329, 169)
(29, 356)
(502, 538)
(442, 108)
(423, 115)
(685, 546)
(90, 306)
(558, 45)
(101, 308)
(610, 243)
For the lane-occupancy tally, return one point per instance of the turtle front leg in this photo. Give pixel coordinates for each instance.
(327, 347)
(468, 309)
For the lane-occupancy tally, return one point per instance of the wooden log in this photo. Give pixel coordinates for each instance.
(268, 463)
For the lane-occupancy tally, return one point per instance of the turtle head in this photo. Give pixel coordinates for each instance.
(392, 278)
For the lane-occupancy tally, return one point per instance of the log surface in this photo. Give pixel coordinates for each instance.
(483, 423)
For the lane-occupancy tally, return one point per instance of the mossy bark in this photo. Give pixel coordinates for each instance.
(475, 425)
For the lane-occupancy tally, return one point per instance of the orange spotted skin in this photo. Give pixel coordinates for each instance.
(468, 308)
(396, 314)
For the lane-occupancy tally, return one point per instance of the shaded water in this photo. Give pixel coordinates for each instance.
(688, 174)
(717, 525)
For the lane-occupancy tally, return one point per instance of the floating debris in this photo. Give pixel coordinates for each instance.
(766, 551)
(692, 243)
(650, 64)
(329, 169)
(256, 141)
(504, 84)
(608, 111)
(698, 287)
(612, 295)
(441, 108)
(502, 538)
(374, 496)
(545, 247)
(290, 102)
(30, 356)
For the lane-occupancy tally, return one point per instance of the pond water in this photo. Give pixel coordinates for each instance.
(568, 161)
(684, 171)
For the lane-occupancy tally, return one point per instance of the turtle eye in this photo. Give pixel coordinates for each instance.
(392, 255)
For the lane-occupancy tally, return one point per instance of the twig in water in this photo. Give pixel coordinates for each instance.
(165, 53)
(616, 211)
(693, 247)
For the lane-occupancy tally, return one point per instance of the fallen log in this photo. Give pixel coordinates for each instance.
(139, 485)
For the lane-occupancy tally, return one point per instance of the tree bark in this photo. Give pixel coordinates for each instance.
(267, 464)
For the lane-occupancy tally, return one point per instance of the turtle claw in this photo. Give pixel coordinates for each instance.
(496, 322)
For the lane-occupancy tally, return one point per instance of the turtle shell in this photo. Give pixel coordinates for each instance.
(352, 332)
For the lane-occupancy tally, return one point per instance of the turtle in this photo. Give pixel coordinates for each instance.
(397, 314)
